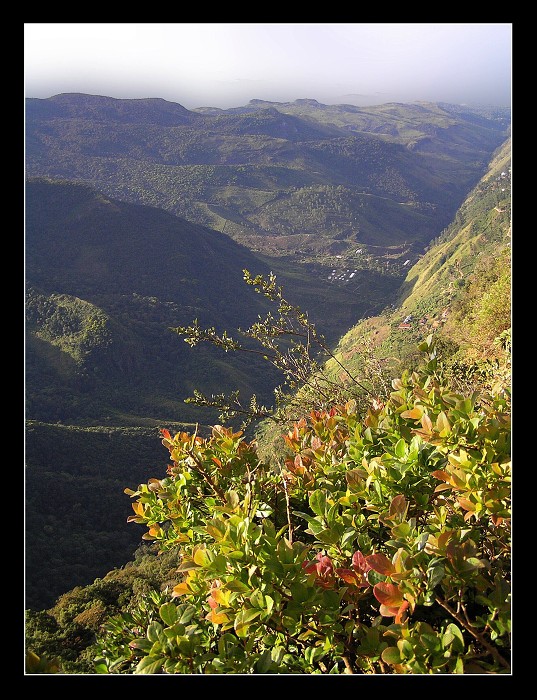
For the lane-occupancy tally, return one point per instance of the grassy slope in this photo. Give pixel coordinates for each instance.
(438, 282)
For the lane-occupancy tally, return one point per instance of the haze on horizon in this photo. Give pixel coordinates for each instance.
(228, 64)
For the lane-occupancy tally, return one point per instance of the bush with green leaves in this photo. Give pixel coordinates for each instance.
(380, 545)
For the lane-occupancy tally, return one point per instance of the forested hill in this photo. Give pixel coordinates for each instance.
(305, 179)
(106, 280)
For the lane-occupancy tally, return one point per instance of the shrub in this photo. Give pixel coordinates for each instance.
(380, 545)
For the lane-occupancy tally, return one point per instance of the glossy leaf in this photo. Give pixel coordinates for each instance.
(391, 655)
(379, 562)
(200, 556)
(168, 613)
(398, 506)
(388, 594)
(317, 502)
(401, 448)
(414, 413)
(153, 631)
(150, 665)
(243, 621)
(181, 589)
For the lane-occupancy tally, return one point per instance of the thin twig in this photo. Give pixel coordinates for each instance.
(206, 476)
(348, 667)
(471, 629)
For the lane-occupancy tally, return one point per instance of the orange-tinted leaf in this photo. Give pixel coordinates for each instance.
(442, 424)
(354, 479)
(221, 597)
(353, 578)
(466, 504)
(371, 420)
(414, 413)
(388, 594)
(442, 487)
(398, 505)
(386, 611)
(135, 519)
(426, 423)
(166, 433)
(401, 612)
(444, 537)
(380, 563)
(442, 475)
(217, 618)
(424, 435)
(181, 589)
(138, 508)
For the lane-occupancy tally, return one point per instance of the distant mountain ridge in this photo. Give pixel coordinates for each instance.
(73, 105)
(301, 179)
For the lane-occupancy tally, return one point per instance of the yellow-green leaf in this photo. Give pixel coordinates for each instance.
(243, 621)
(391, 655)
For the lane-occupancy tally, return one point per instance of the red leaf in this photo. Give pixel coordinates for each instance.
(352, 578)
(380, 563)
(166, 433)
(388, 594)
(359, 562)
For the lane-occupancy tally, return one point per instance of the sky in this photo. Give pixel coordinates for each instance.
(227, 64)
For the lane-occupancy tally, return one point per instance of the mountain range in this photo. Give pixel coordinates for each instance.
(300, 179)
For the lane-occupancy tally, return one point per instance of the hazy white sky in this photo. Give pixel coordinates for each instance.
(228, 64)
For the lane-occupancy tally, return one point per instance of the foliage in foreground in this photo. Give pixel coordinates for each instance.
(381, 546)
